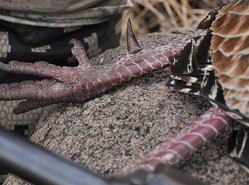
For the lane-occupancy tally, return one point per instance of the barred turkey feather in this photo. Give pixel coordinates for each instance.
(220, 68)
(203, 67)
(191, 67)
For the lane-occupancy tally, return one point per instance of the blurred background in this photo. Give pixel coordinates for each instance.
(162, 15)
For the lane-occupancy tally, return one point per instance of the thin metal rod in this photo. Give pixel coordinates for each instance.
(40, 166)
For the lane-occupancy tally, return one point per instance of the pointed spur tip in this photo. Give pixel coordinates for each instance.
(132, 44)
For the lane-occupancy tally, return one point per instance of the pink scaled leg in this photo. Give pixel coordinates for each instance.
(75, 84)
(181, 145)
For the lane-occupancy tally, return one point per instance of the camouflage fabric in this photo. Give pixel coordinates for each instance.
(54, 13)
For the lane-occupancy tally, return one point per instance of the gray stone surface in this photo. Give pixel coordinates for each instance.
(107, 132)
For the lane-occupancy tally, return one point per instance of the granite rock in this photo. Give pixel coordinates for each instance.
(109, 131)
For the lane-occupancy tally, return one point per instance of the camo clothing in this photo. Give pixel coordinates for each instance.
(54, 13)
(41, 30)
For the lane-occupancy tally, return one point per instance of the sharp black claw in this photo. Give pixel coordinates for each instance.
(4, 67)
(75, 43)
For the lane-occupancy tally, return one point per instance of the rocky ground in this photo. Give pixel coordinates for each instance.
(107, 132)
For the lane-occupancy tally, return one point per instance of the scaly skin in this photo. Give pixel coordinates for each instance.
(181, 145)
(74, 84)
